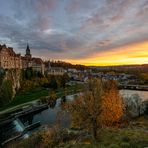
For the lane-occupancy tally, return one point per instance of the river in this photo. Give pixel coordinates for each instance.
(52, 115)
(142, 94)
(49, 117)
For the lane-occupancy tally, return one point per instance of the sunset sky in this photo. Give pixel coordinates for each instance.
(90, 32)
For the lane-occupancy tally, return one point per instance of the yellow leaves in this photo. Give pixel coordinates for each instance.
(53, 96)
(100, 104)
(112, 108)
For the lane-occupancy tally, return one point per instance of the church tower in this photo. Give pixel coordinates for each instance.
(28, 53)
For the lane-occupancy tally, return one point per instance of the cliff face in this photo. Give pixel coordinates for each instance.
(14, 75)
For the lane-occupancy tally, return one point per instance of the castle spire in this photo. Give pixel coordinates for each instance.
(28, 52)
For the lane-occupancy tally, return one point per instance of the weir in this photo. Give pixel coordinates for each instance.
(18, 125)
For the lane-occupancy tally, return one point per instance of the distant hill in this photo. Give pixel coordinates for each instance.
(65, 65)
(122, 67)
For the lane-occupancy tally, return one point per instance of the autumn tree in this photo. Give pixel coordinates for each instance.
(53, 95)
(86, 108)
(112, 105)
(99, 105)
(51, 99)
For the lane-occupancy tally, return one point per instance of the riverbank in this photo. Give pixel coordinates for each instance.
(134, 135)
(31, 97)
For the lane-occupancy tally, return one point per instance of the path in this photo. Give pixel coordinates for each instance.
(17, 106)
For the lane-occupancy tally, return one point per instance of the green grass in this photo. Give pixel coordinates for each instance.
(26, 97)
(36, 94)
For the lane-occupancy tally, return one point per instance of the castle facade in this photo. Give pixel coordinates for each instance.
(10, 60)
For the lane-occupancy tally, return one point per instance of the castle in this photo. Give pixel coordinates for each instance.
(10, 60)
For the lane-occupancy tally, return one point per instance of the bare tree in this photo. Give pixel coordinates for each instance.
(133, 105)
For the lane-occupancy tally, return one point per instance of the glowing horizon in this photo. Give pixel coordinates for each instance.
(128, 55)
(89, 32)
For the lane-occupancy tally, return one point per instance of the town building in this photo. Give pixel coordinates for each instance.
(55, 70)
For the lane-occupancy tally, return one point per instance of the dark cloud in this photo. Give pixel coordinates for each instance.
(73, 28)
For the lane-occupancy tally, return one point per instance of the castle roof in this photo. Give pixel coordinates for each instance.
(37, 60)
(9, 50)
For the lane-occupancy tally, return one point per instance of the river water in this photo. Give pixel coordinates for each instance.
(128, 93)
(52, 115)
(49, 117)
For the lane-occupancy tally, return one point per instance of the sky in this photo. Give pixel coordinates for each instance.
(90, 32)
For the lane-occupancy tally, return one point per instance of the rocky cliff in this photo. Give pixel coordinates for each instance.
(14, 75)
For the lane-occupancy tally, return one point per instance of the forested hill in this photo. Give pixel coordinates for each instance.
(65, 65)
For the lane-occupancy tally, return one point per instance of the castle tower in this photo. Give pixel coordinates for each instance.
(28, 53)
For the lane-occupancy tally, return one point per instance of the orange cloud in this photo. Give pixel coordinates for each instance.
(131, 54)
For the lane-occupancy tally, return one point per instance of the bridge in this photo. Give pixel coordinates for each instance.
(133, 87)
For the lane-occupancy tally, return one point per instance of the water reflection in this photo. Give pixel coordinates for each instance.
(54, 114)
(128, 93)
(52, 104)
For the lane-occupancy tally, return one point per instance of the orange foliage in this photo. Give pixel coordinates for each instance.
(99, 105)
(112, 108)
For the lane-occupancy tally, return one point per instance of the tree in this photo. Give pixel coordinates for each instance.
(6, 92)
(28, 73)
(146, 108)
(86, 108)
(112, 105)
(53, 95)
(65, 78)
(97, 106)
(133, 105)
(144, 77)
(53, 83)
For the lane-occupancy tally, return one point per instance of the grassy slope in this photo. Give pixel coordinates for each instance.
(37, 94)
(133, 136)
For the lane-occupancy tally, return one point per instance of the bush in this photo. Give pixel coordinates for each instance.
(125, 139)
(125, 145)
(114, 146)
(6, 92)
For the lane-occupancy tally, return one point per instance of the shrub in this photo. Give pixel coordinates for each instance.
(125, 145)
(114, 146)
(125, 139)
(6, 92)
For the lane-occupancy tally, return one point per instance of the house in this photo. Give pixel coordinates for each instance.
(72, 70)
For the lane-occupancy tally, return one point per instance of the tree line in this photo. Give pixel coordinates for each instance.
(65, 65)
(32, 79)
(29, 80)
